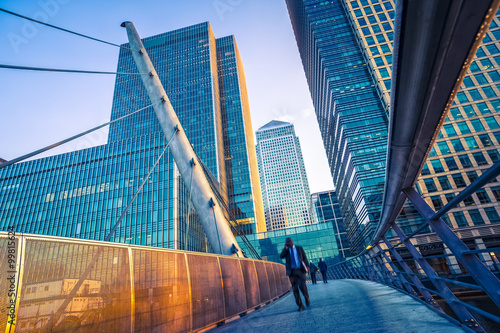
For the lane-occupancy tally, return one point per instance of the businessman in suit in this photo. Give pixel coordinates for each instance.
(296, 269)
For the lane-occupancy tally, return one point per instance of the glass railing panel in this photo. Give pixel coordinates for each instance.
(234, 287)
(251, 282)
(272, 281)
(265, 293)
(74, 287)
(206, 290)
(162, 301)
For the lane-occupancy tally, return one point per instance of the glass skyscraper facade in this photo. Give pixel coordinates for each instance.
(326, 206)
(285, 189)
(82, 194)
(469, 141)
(350, 114)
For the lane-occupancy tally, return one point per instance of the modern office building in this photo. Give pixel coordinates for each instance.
(350, 114)
(318, 241)
(468, 143)
(326, 206)
(82, 194)
(285, 189)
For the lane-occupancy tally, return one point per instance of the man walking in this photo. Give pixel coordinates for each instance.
(312, 270)
(323, 268)
(296, 269)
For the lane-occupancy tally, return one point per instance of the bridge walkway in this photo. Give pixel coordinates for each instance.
(344, 306)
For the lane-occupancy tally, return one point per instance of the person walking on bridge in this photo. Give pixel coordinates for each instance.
(296, 269)
(323, 268)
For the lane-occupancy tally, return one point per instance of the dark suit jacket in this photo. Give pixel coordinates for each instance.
(302, 258)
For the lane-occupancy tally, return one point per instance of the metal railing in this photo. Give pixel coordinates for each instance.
(427, 74)
(125, 288)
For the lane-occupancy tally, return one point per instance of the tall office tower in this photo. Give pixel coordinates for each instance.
(350, 114)
(283, 178)
(326, 206)
(82, 194)
(245, 199)
(469, 141)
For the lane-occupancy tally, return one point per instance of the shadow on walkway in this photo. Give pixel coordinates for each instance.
(345, 306)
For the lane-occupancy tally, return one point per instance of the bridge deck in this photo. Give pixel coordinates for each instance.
(344, 306)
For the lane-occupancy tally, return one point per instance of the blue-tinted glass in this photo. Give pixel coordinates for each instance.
(492, 48)
(476, 217)
(493, 155)
(372, 19)
(387, 84)
(450, 130)
(475, 95)
(438, 167)
(385, 48)
(370, 41)
(487, 39)
(469, 111)
(379, 61)
(445, 184)
(457, 145)
(486, 63)
(492, 123)
(376, 28)
(374, 50)
(361, 22)
(433, 152)
(463, 127)
(480, 159)
(481, 79)
(366, 31)
(465, 160)
(495, 77)
(384, 73)
(474, 67)
(492, 215)
(496, 105)
(489, 92)
(386, 26)
(455, 112)
(460, 219)
(443, 147)
(382, 17)
(451, 163)
(478, 126)
(431, 186)
(462, 97)
(381, 38)
(480, 53)
(425, 170)
(471, 142)
(368, 10)
(468, 82)
(483, 108)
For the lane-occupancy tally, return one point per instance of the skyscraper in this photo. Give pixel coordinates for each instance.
(469, 141)
(82, 194)
(285, 189)
(326, 206)
(350, 114)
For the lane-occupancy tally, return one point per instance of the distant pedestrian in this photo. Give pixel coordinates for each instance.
(323, 268)
(296, 269)
(312, 270)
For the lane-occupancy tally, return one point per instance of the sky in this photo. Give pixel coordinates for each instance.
(40, 108)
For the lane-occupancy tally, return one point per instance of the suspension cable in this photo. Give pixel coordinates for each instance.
(26, 68)
(62, 29)
(39, 151)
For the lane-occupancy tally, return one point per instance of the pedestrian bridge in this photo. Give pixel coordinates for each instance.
(347, 306)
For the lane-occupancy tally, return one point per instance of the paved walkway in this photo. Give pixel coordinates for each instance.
(345, 306)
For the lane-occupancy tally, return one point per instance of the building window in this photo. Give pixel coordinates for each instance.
(449, 197)
(471, 142)
(459, 180)
(457, 145)
(485, 140)
(476, 217)
(469, 111)
(479, 157)
(460, 219)
(438, 167)
(425, 170)
(455, 112)
(436, 201)
(450, 162)
(465, 160)
(468, 82)
(475, 95)
(463, 127)
(483, 196)
(492, 215)
(492, 123)
(450, 130)
(443, 147)
(496, 193)
(469, 201)
(472, 175)
(478, 126)
(483, 108)
(445, 184)
(431, 186)
(462, 98)
(481, 79)
(494, 155)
